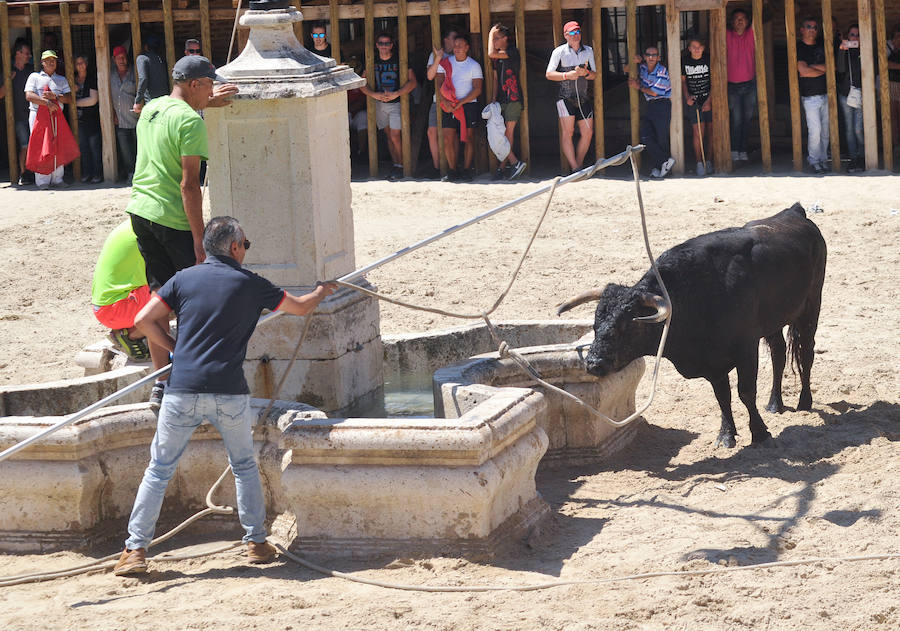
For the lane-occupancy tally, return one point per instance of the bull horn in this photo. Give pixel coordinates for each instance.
(589, 295)
(657, 302)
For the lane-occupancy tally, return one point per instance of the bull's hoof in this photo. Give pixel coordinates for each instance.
(805, 404)
(766, 441)
(776, 407)
(726, 440)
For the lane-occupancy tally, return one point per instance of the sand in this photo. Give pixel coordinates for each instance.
(670, 502)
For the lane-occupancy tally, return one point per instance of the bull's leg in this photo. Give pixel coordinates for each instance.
(806, 342)
(778, 351)
(722, 388)
(747, 372)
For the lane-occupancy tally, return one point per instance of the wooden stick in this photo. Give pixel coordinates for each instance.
(790, 27)
(37, 42)
(634, 103)
(107, 129)
(867, 83)
(334, 16)
(523, 126)
(70, 78)
(406, 129)
(12, 148)
(831, 83)
(762, 87)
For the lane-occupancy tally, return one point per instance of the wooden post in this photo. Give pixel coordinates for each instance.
(887, 138)
(597, 45)
(633, 95)
(169, 29)
(867, 63)
(770, 73)
(205, 35)
(481, 161)
(490, 82)
(676, 125)
(107, 129)
(721, 144)
(370, 79)
(336, 31)
(523, 126)
(136, 45)
(762, 87)
(438, 42)
(66, 29)
(790, 28)
(406, 130)
(831, 82)
(558, 40)
(6, 69)
(37, 42)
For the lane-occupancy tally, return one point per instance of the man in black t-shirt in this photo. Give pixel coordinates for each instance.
(813, 93)
(505, 59)
(20, 73)
(218, 304)
(696, 86)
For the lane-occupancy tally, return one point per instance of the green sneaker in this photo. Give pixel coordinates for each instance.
(135, 349)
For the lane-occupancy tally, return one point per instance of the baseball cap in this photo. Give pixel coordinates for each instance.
(571, 26)
(119, 50)
(47, 54)
(194, 67)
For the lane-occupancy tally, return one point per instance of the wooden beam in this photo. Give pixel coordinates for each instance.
(867, 63)
(334, 16)
(37, 42)
(597, 45)
(370, 79)
(523, 126)
(205, 33)
(721, 144)
(107, 130)
(634, 104)
(481, 160)
(558, 39)
(790, 28)
(762, 86)
(70, 78)
(490, 81)
(437, 41)
(676, 125)
(134, 16)
(770, 70)
(405, 127)
(887, 138)
(831, 83)
(169, 30)
(6, 69)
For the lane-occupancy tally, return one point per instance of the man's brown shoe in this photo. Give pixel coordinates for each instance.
(260, 552)
(131, 562)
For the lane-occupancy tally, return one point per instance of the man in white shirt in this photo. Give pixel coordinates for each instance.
(37, 95)
(461, 113)
(572, 65)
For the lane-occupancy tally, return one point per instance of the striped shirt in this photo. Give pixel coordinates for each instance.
(657, 80)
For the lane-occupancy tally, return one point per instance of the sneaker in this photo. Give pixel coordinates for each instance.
(135, 349)
(156, 395)
(517, 169)
(655, 174)
(498, 175)
(466, 175)
(452, 176)
(62, 184)
(261, 552)
(131, 562)
(396, 173)
(96, 179)
(709, 168)
(742, 155)
(735, 156)
(701, 169)
(819, 169)
(85, 179)
(666, 167)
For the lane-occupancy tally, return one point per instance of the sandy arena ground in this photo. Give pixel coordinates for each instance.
(670, 502)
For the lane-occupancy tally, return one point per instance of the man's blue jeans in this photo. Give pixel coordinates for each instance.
(853, 128)
(179, 416)
(741, 103)
(816, 108)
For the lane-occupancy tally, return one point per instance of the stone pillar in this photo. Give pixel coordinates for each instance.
(280, 163)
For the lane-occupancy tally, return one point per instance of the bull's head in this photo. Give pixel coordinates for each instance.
(623, 326)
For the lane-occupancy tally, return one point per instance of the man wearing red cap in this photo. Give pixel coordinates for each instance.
(572, 65)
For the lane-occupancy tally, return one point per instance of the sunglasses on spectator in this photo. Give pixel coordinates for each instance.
(383, 44)
(193, 51)
(811, 27)
(318, 35)
(651, 54)
(574, 32)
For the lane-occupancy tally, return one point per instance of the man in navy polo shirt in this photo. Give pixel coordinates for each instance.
(218, 304)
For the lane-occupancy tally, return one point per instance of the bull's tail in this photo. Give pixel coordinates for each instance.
(795, 348)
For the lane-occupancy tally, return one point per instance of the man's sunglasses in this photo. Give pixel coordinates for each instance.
(811, 27)
(246, 244)
(193, 51)
(318, 35)
(575, 32)
(383, 44)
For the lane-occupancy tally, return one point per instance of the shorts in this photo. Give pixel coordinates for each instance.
(387, 114)
(432, 115)
(359, 121)
(120, 314)
(23, 133)
(566, 107)
(165, 250)
(472, 113)
(511, 111)
(690, 111)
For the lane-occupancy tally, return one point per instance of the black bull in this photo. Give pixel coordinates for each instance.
(728, 289)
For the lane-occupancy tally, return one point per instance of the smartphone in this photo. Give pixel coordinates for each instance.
(851, 43)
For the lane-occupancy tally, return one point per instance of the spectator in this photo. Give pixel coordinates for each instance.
(850, 97)
(123, 90)
(192, 47)
(320, 44)
(88, 122)
(460, 83)
(166, 201)
(813, 93)
(153, 81)
(434, 60)
(893, 46)
(696, 85)
(47, 89)
(505, 59)
(654, 83)
(387, 95)
(18, 79)
(572, 65)
(119, 290)
(50, 41)
(741, 62)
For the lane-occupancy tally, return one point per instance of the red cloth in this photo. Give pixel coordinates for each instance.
(449, 100)
(51, 144)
